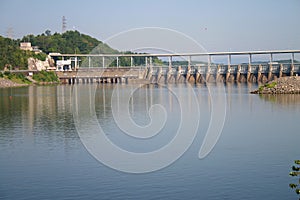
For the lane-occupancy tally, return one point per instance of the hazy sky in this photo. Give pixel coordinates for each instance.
(218, 25)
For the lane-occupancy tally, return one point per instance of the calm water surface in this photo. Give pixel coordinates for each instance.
(42, 157)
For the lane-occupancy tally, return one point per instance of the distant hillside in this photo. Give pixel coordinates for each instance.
(69, 42)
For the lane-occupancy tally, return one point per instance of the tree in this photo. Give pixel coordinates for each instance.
(296, 172)
(48, 32)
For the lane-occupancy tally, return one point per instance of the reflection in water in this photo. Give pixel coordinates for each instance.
(31, 108)
(41, 156)
(282, 99)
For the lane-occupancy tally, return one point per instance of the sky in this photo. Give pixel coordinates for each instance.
(218, 25)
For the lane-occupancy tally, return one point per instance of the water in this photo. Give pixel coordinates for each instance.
(42, 157)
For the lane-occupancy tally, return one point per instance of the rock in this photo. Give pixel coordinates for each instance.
(35, 64)
(4, 83)
(284, 85)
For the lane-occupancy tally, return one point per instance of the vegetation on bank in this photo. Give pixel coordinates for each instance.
(268, 85)
(45, 77)
(42, 77)
(15, 77)
(295, 173)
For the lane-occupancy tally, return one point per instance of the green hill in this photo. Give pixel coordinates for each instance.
(69, 42)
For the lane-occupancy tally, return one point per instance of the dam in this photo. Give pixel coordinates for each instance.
(193, 73)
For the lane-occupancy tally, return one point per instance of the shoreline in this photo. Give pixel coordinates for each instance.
(6, 83)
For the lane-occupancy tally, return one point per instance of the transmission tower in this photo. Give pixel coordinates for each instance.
(64, 24)
(10, 33)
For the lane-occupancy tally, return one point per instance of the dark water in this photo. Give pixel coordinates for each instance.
(42, 157)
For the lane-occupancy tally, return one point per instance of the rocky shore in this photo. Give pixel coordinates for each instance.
(5, 83)
(284, 85)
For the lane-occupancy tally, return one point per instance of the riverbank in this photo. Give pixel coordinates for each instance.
(284, 85)
(6, 83)
(8, 79)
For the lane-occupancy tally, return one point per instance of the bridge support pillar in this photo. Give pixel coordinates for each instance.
(238, 74)
(189, 61)
(146, 61)
(249, 73)
(280, 70)
(170, 62)
(188, 73)
(218, 73)
(270, 72)
(207, 73)
(149, 74)
(209, 60)
(178, 74)
(197, 76)
(292, 65)
(169, 74)
(150, 60)
(259, 79)
(292, 69)
(228, 73)
(159, 74)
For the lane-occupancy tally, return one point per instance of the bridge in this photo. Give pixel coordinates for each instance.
(194, 73)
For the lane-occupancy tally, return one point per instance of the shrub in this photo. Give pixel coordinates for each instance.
(40, 56)
(7, 73)
(271, 85)
(17, 77)
(45, 76)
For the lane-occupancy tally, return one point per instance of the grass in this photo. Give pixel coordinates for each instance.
(16, 77)
(271, 85)
(45, 76)
(40, 77)
(268, 85)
